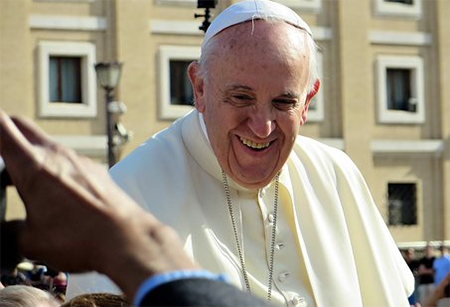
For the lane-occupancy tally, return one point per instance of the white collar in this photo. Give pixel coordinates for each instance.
(203, 125)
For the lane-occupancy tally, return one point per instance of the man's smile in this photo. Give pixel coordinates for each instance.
(254, 145)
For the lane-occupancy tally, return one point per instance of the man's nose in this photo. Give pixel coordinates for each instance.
(262, 122)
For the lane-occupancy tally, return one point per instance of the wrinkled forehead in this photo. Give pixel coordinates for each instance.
(248, 52)
(250, 36)
(252, 10)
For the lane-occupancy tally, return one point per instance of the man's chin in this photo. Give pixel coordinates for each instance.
(250, 180)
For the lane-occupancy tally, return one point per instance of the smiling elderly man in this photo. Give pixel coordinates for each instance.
(285, 217)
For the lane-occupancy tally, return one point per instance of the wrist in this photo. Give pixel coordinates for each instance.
(143, 248)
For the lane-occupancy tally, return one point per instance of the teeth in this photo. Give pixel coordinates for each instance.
(254, 145)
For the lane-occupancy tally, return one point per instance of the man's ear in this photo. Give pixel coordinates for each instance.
(309, 97)
(197, 85)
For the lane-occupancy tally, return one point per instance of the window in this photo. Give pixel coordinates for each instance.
(180, 86)
(176, 97)
(65, 79)
(400, 89)
(402, 204)
(67, 84)
(398, 8)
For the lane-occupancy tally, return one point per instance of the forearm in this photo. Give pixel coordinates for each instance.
(88, 223)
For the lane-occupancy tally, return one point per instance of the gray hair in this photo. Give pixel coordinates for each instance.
(26, 296)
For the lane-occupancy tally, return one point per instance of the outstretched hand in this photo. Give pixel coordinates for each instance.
(438, 293)
(77, 218)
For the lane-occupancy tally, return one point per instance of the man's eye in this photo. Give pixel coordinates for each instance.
(285, 104)
(240, 100)
(242, 97)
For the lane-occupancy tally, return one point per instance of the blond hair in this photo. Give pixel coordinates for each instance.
(26, 296)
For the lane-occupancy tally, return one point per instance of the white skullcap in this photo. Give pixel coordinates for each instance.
(253, 9)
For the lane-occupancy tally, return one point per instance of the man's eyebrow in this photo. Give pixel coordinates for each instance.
(292, 95)
(234, 87)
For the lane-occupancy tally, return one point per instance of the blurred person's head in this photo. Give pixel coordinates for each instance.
(60, 286)
(97, 300)
(409, 253)
(428, 250)
(26, 296)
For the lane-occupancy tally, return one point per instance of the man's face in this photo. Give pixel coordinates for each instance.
(428, 250)
(254, 98)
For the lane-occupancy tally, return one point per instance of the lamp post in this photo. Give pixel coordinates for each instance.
(207, 5)
(108, 75)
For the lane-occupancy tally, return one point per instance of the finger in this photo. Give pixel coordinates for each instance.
(19, 153)
(32, 132)
(15, 149)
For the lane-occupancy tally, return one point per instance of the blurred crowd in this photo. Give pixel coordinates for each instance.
(32, 284)
(429, 268)
(37, 275)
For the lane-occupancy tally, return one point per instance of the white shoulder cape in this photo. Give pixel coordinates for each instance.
(350, 256)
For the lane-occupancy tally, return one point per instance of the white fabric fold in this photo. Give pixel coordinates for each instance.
(346, 249)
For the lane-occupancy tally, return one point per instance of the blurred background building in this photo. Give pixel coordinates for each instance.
(385, 96)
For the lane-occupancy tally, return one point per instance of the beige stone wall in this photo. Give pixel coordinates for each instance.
(15, 58)
(422, 170)
(15, 74)
(441, 28)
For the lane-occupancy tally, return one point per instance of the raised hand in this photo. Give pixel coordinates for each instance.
(77, 218)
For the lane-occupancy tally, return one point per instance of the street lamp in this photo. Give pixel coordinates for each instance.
(108, 75)
(207, 5)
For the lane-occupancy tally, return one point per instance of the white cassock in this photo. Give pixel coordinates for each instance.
(332, 246)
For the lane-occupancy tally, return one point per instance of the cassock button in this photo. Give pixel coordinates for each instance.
(298, 301)
(284, 276)
(270, 218)
(262, 192)
(279, 246)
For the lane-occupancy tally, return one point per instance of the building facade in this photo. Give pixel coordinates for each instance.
(385, 96)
